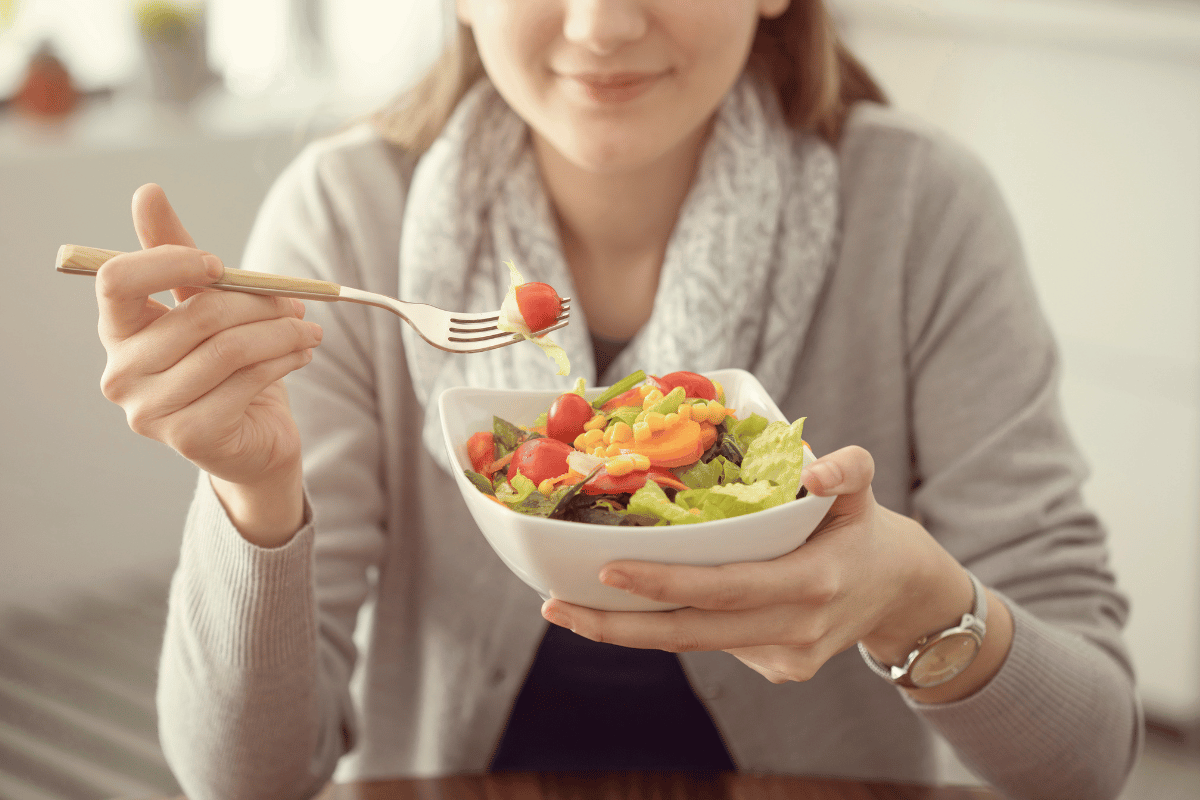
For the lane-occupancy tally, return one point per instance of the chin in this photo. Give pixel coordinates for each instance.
(626, 152)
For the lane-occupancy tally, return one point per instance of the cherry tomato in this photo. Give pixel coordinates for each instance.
(603, 483)
(569, 413)
(539, 459)
(539, 304)
(694, 385)
(481, 449)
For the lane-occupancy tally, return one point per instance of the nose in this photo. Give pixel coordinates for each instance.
(603, 26)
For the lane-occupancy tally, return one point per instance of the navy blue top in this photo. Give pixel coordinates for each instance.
(592, 706)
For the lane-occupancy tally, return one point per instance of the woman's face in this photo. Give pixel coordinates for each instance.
(613, 85)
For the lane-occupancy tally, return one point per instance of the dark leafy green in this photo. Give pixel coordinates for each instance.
(481, 483)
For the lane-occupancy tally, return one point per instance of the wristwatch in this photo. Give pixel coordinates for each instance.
(942, 655)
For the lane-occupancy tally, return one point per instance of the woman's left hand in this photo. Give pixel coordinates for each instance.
(866, 574)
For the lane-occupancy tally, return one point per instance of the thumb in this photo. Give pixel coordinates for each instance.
(842, 472)
(155, 221)
(846, 473)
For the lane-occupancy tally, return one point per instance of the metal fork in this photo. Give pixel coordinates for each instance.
(446, 330)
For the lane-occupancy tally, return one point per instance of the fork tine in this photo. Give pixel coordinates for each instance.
(485, 317)
(463, 345)
(512, 338)
(560, 322)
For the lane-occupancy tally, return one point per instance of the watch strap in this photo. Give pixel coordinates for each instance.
(975, 620)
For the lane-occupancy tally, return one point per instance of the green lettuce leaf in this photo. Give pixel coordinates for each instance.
(652, 501)
(776, 455)
(744, 431)
(736, 499)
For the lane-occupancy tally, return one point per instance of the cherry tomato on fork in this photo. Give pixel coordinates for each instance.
(539, 459)
(567, 416)
(539, 305)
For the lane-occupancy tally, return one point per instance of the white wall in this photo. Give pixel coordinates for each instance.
(83, 500)
(1088, 113)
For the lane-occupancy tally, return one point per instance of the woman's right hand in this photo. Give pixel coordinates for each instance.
(204, 376)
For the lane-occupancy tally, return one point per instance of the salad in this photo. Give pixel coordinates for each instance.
(648, 451)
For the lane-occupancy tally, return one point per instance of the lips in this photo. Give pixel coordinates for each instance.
(615, 87)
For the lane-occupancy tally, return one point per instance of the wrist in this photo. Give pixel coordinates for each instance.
(268, 512)
(934, 596)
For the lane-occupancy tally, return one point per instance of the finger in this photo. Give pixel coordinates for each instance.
(221, 356)
(124, 285)
(157, 224)
(194, 426)
(841, 472)
(171, 337)
(730, 587)
(680, 631)
(155, 220)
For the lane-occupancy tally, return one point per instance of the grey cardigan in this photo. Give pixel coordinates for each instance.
(387, 638)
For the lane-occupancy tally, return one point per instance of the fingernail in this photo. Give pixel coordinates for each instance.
(213, 267)
(299, 306)
(825, 475)
(554, 616)
(317, 331)
(616, 579)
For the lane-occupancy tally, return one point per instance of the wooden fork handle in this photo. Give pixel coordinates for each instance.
(77, 260)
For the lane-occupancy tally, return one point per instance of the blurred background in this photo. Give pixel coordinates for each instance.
(1087, 112)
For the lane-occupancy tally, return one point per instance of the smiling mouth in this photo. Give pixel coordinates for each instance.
(616, 87)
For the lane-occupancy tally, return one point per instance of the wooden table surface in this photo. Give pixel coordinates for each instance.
(643, 786)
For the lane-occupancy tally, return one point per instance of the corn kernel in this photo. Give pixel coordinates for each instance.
(617, 469)
(599, 450)
(641, 432)
(580, 444)
(685, 411)
(612, 450)
(608, 436)
(640, 461)
(621, 465)
(592, 437)
(671, 419)
(621, 432)
(596, 423)
(652, 398)
(655, 421)
(546, 487)
(716, 412)
(644, 390)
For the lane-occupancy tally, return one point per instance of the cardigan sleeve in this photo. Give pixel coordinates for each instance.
(253, 692)
(997, 480)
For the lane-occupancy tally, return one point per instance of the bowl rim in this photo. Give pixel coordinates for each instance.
(566, 526)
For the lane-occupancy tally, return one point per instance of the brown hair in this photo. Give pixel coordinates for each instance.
(799, 53)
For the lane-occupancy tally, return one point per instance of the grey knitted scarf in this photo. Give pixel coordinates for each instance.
(743, 264)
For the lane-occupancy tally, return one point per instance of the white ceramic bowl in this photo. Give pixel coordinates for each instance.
(563, 559)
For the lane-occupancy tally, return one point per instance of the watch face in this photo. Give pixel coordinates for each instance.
(944, 659)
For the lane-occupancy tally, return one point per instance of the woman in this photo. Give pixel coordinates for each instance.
(716, 184)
